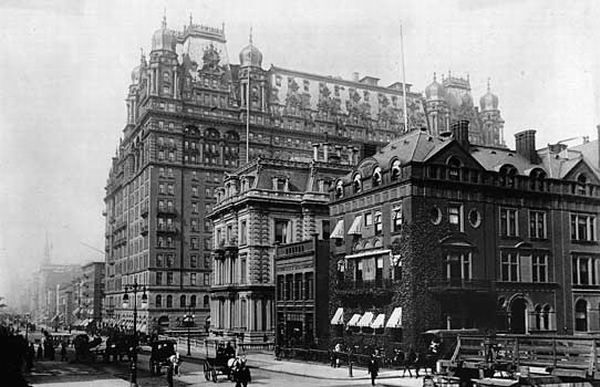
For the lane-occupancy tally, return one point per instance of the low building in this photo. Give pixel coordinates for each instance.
(302, 292)
(263, 203)
(435, 232)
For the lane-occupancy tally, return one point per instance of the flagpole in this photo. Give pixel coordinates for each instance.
(403, 79)
(248, 104)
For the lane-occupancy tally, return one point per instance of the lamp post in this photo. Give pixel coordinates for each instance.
(134, 289)
(188, 319)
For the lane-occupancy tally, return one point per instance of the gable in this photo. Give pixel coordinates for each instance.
(441, 155)
(582, 167)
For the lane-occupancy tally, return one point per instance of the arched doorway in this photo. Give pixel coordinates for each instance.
(518, 314)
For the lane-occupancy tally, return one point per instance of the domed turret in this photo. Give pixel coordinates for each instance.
(489, 101)
(250, 55)
(163, 38)
(434, 91)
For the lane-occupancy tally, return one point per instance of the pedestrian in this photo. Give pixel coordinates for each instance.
(408, 362)
(30, 356)
(373, 369)
(63, 351)
(40, 352)
(170, 370)
(242, 375)
(336, 353)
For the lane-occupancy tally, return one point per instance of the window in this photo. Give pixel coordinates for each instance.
(358, 271)
(397, 218)
(395, 169)
(453, 168)
(280, 286)
(170, 260)
(308, 286)
(458, 266)
(182, 301)
(169, 278)
(583, 227)
(357, 183)
(159, 260)
(455, 216)
(509, 270)
(206, 279)
(582, 184)
(193, 301)
(537, 224)
(339, 189)
(581, 324)
(158, 301)
(508, 222)
(205, 301)
(325, 229)
(169, 301)
(474, 218)
(435, 215)
(193, 261)
(585, 270)
(378, 223)
(507, 175)
(161, 188)
(243, 268)
(282, 231)
(298, 287)
(539, 268)
(159, 276)
(368, 219)
(194, 243)
(377, 177)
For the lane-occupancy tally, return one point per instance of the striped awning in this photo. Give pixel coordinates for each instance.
(338, 230)
(395, 320)
(338, 317)
(366, 320)
(369, 253)
(356, 227)
(354, 320)
(379, 321)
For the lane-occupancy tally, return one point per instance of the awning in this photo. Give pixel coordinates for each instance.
(338, 230)
(395, 320)
(379, 320)
(369, 253)
(366, 320)
(356, 227)
(354, 320)
(338, 317)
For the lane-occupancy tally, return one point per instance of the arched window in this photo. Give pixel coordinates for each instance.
(182, 301)
(166, 77)
(538, 317)
(158, 301)
(377, 176)
(396, 169)
(357, 247)
(339, 189)
(205, 301)
(507, 175)
(378, 222)
(193, 301)
(357, 183)
(581, 323)
(582, 181)
(169, 301)
(453, 168)
(537, 176)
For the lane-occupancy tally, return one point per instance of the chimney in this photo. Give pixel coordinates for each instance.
(315, 152)
(525, 144)
(355, 76)
(460, 131)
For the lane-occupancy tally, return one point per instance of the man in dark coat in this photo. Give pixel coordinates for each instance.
(170, 370)
(242, 376)
(373, 369)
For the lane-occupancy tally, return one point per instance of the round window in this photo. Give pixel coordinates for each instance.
(474, 218)
(435, 215)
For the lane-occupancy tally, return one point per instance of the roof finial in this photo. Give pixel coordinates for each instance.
(164, 19)
(488, 84)
(191, 19)
(434, 77)
(250, 36)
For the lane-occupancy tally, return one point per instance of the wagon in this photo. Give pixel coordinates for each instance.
(219, 359)
(162, 350)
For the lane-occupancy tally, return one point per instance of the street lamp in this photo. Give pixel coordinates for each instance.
(135, 288)
(188, 320)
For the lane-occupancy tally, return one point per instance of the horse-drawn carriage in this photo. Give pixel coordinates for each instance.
(220, 359)
(162, 350)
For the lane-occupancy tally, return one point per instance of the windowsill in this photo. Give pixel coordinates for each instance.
(539, 239)
(510, 237)
(584, 242)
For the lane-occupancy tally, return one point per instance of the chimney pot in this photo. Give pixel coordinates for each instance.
(460, 130)
(525, 144)
(355, 76)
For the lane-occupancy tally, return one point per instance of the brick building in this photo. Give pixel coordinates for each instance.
(435, 232)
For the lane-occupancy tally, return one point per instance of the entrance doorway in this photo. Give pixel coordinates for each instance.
(518, 314)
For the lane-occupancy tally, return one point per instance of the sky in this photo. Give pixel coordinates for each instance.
(66, 64)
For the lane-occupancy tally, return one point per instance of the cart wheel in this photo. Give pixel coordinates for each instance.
(214, 375)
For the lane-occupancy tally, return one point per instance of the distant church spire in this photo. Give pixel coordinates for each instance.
(488, 84)
(250, 36)
(164, 19)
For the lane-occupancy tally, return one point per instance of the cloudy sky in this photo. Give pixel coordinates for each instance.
(65, 67)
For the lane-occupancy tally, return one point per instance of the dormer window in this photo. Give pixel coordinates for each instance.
(453, 168)
(507, 175)
(582, 181)
(339, 189)
(280, 184)
(395, 169)
(377, 177)
(357, 183)
(537, 179)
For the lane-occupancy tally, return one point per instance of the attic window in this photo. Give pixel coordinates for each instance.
(377, 176)
(339, 189)
(453, 168)
(537, 179)
(357, 183)
(582, 181)
(280, 184)
(396, 169)
(507, 175)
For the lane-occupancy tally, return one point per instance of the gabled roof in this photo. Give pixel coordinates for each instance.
(493, 159)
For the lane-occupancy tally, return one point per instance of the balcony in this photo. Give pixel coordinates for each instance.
(166, 211)
(459, 285)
